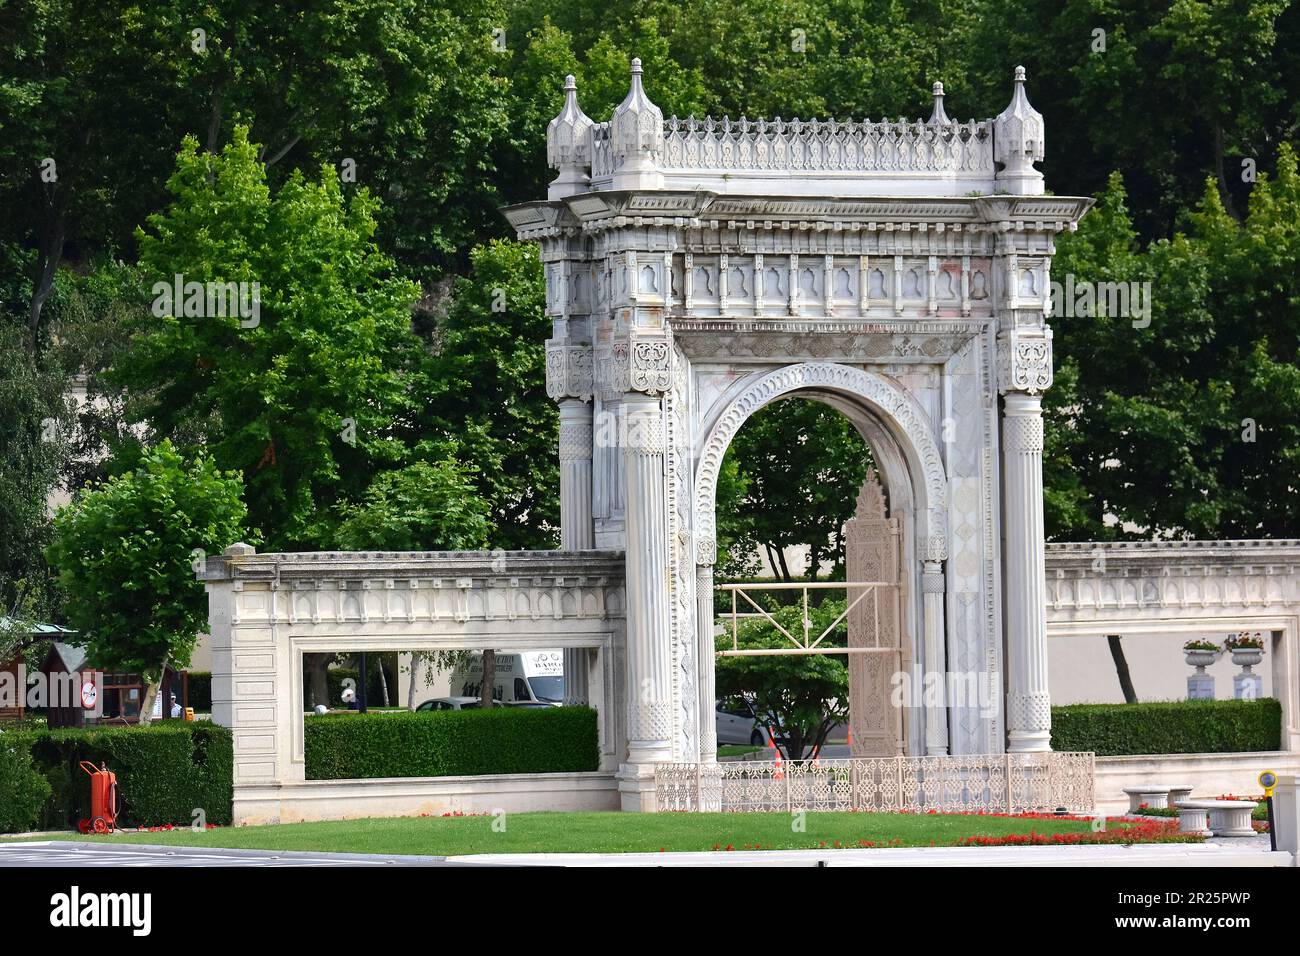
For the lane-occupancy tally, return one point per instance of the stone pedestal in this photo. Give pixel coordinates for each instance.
(1200, 686)
(1247, 686)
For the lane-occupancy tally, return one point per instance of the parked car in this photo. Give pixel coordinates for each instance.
(736, 724)
(534, 676)
(451, 703)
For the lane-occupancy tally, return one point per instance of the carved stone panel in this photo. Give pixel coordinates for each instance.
(872, 542)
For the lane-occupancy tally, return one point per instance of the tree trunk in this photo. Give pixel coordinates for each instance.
(1121, 668)
(1222, 173)
(383, 682)
(417, 670)
(151, 689)
(489, 678)
(318, 685)
(785, 568)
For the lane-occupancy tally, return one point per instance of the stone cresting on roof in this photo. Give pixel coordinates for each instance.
(639, 149)
(239, 564)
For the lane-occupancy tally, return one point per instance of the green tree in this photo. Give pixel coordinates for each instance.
(803, 464)
(799, 697)
(127, 551)
(302, 397)
(484, 382)
(1184, 426)
(426, 506)
(33, 432)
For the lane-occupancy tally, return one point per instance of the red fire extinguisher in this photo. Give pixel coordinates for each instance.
(105, 802)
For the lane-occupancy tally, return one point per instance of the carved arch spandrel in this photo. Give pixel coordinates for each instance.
(899, 412)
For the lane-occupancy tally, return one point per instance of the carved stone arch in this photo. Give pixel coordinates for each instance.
(898, 411)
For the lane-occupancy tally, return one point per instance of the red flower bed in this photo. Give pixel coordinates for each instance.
(1145, 831)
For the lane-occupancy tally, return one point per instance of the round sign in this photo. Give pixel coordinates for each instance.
(1268, 780)
(89, 694)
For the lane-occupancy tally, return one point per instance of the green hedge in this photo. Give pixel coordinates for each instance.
(164, 771)
(23, 790)
(451, 743)
(1169, 727)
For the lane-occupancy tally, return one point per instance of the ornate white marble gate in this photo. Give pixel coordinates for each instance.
(897, 271)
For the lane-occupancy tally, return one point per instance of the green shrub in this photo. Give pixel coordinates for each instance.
(1169, 727)
(200, 692)
(164, 771)
(23, 791)
(451, 743)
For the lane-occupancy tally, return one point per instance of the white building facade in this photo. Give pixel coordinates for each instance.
(697, 270)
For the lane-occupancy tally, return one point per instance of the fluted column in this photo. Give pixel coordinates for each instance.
(704, 652)
(648, 653)
(936, 706)
(577, 532)
(1029, 716)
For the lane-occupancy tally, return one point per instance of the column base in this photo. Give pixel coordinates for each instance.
(636, 788)
(1029, 741)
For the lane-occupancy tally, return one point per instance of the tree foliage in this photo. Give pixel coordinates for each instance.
(1186, 426)
(128, 550)
(799, 697)
(301, 399)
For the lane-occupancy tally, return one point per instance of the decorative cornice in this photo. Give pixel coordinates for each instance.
(423, 565)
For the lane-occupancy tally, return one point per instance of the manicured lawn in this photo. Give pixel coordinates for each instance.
(737, 750)
(608, 832)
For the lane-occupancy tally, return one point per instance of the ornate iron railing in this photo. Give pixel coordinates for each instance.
(980, 783)
(803, 643)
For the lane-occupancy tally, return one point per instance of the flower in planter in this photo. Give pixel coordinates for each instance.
(1199, 644)
(1244, 641)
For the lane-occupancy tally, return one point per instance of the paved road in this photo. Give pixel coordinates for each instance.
(1235, 853)
(67, 853)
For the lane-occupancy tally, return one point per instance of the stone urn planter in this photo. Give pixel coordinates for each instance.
(1201, 659)
(1246, 657)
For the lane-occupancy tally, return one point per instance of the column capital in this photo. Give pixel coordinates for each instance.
(1025, 360)
(568, 370)
(706, 551)
(650, 364)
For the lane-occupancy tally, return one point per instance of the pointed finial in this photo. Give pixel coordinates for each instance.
(938, 115)
(636, 135)
(1018, 143)
(568, 146)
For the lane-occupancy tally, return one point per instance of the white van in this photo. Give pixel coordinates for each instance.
(523, 677)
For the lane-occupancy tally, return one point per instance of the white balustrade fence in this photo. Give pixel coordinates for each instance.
(811, 146)
(984, 783)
